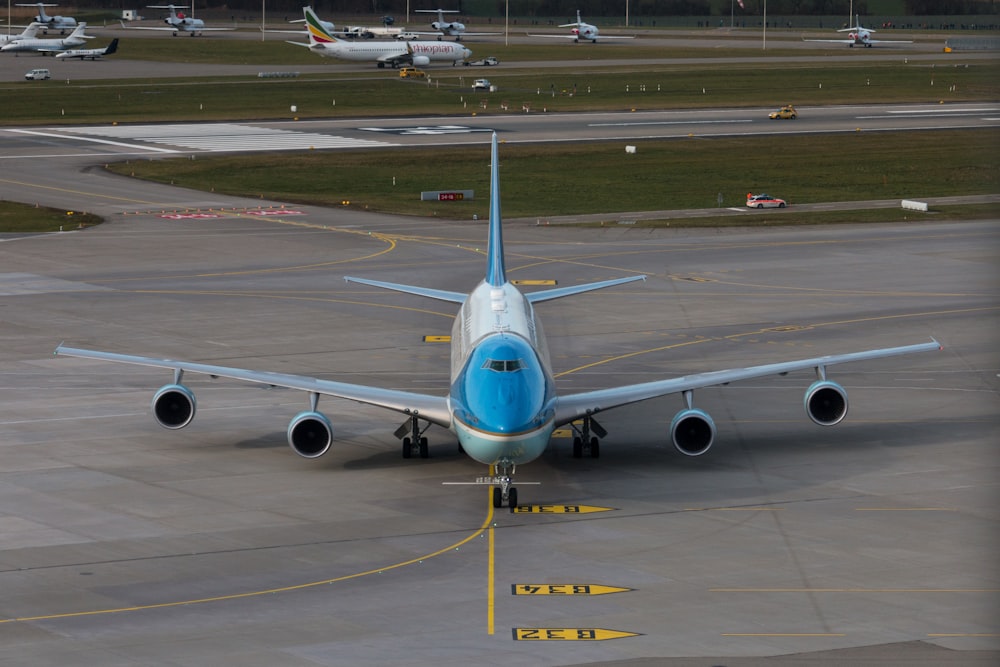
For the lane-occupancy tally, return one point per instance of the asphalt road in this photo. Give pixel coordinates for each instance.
(873, 542)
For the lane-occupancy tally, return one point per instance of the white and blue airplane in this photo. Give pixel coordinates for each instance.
(502, 404)
(60, 23)
(89, 54)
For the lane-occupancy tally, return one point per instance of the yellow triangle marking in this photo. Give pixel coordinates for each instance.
(560, 509)
(569, 634)
(565, 589)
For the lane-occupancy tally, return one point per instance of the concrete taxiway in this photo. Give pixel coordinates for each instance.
(123, 543)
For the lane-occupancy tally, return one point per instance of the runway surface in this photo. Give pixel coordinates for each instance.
(873, 542)
(128, 544)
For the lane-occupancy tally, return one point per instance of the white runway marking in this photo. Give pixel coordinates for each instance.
(224, 137)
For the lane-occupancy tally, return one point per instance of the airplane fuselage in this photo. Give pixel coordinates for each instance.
(384, 51)
(502, 397)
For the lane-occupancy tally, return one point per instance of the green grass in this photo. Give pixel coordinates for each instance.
(582, 87)
(23, 218)
(568, 179)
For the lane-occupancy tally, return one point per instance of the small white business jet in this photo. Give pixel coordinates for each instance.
(45, 46)
(60, 23)
(89, 54)
(28, 33)
(583, 30)
(178, 22)
(394, 54)
(502, 403)
(445, 28)
(860, 36)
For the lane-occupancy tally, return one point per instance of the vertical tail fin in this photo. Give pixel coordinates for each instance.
(318, 34)
(495, 271)
(112, 47)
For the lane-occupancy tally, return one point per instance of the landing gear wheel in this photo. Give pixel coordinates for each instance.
(424, 452)
(595, 448)
(407, 448)
(497, 498)
(577, 448)
(512, 499)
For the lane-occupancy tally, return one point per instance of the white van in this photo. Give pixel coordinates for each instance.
(37, 75)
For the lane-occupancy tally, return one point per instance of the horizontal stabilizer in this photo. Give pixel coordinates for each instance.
(559, 292)
(440, 295)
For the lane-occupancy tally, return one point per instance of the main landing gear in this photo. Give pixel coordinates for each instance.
(505, 494)
(584, 442)
(412, 435)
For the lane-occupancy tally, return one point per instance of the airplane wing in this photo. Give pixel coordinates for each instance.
(431, 408)
(177, 29)
(574, 406)
(600, 38)
(831, 41)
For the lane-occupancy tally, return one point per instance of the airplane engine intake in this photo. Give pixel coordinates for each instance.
(421, 61)
(692, 432)
(826, 402)
(310, 434)
(174, 406)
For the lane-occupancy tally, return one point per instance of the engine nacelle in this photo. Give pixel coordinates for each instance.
(310, 434)
(826, 402)
(174, 406)
(692, 432)
(421, 61)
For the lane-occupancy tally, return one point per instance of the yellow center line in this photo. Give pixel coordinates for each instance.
(270, 591)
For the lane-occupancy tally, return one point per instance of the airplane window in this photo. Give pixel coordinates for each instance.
(504, 366)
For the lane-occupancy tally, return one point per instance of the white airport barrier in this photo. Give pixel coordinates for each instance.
(911, 205)
(630, 149)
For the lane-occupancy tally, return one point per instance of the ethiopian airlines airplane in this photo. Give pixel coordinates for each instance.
(502, 403)
(384, 53)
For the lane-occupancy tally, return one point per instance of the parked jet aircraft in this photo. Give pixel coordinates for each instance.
(449, 28)
(178, 22)
(60, 23)
(502, 403)
(39, 45)
(28, 33)
(89, 54)
(581, 30)
(860, 36)
(420, 54)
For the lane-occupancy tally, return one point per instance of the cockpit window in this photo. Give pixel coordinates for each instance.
(504, 365)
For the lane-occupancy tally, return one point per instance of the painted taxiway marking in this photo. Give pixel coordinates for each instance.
(215, 137)
(534, 282)
(96, 141)
(671, 122)
(569, 634)
(437, 339)
(566, 589)
(560, 509)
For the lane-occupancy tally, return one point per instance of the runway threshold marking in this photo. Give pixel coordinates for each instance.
(566, 589)
(569, 634)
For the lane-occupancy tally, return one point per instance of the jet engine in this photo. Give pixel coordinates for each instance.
(310, 434)
(826, 402)
(173, 406)
(692, 432)
(421, 61)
